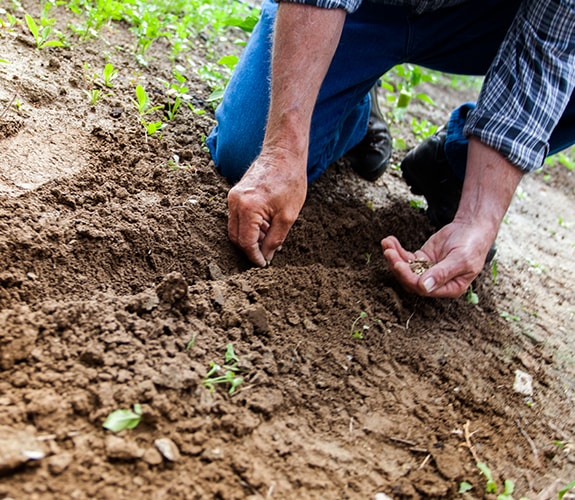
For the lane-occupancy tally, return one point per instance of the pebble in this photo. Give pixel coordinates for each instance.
(523, 383)
(59, 463)
(152, 457)
(168, 449)
(118, 448)
(17, 447)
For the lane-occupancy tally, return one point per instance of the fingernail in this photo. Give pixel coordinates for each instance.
(429, 284)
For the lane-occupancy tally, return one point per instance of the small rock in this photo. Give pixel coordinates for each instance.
(258, 318)
(215, 271)
(59, 463)
(168, 449)
(382, 496)
(143, 302)
(523, 383)
(118, 448)
(172, 289)
(152, 457)
(19, 336)
(18, 447)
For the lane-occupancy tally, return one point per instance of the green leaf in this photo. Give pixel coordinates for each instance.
(52, 43)
(464, 487)
(404, 98)
(247, 24)
(119, 420)
(491, 486)
(230, 356)
(425, 98)
(32, 26)
(229, 61)
(564, 491)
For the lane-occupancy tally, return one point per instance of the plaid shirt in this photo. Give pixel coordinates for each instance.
(529, 83)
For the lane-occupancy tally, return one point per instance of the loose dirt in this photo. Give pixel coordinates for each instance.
(118, 286)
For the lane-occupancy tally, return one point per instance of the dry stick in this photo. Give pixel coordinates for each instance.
(531, 443)
(11, 101)
(424, 463)
(468, 441)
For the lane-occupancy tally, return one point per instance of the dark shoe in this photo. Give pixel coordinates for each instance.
(369, 158)
(426, 171)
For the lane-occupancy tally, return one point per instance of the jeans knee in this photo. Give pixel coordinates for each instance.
(231, 153)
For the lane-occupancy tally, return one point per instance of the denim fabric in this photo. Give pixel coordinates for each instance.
(462, 39)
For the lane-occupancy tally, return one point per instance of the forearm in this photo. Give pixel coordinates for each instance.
(305, 40)
(490, 182)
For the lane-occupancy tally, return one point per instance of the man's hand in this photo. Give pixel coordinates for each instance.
(458, 250)
(457, 254)
(264, 205)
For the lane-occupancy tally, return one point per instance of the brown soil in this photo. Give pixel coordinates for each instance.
(118, 286)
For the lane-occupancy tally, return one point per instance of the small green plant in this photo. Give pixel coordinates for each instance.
(230, 375)
(109, 75)
(417, 203)
(471, 297)
(357, 331)
(177, 93)
(119, 420)
(422, 129)
(401, 83)
(144, 108)
(509, 317)
(191, 343)
(494, 271)
(93, 96)
(41, 34)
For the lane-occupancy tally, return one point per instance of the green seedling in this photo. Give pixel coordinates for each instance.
(109, 75)
(191, 343)
(417, 203)
(401, 83)
(93, 96)
(509, 317)
(4, 61)
(564, 490)
(119, 420)
(491, 485)
(230, 375)
(41, 35)
(144, 108)
(494, 271)
(358, 332)
(471, 297)
(177, 92)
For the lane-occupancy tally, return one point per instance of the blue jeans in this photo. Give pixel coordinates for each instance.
(461, 39)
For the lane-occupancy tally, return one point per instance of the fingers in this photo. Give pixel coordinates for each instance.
(449, 276)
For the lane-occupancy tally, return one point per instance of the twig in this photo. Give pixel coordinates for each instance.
(468, 441)
(403, 441)
(11, 101)
(424, 463)
(408, 320)
(531, 443)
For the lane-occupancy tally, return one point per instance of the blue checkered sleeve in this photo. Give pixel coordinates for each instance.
(528, 84)
(348, 5)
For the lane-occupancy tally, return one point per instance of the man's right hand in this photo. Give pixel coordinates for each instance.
(265, 203)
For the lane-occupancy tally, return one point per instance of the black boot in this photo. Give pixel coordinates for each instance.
(427, 172)
(369, 158)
